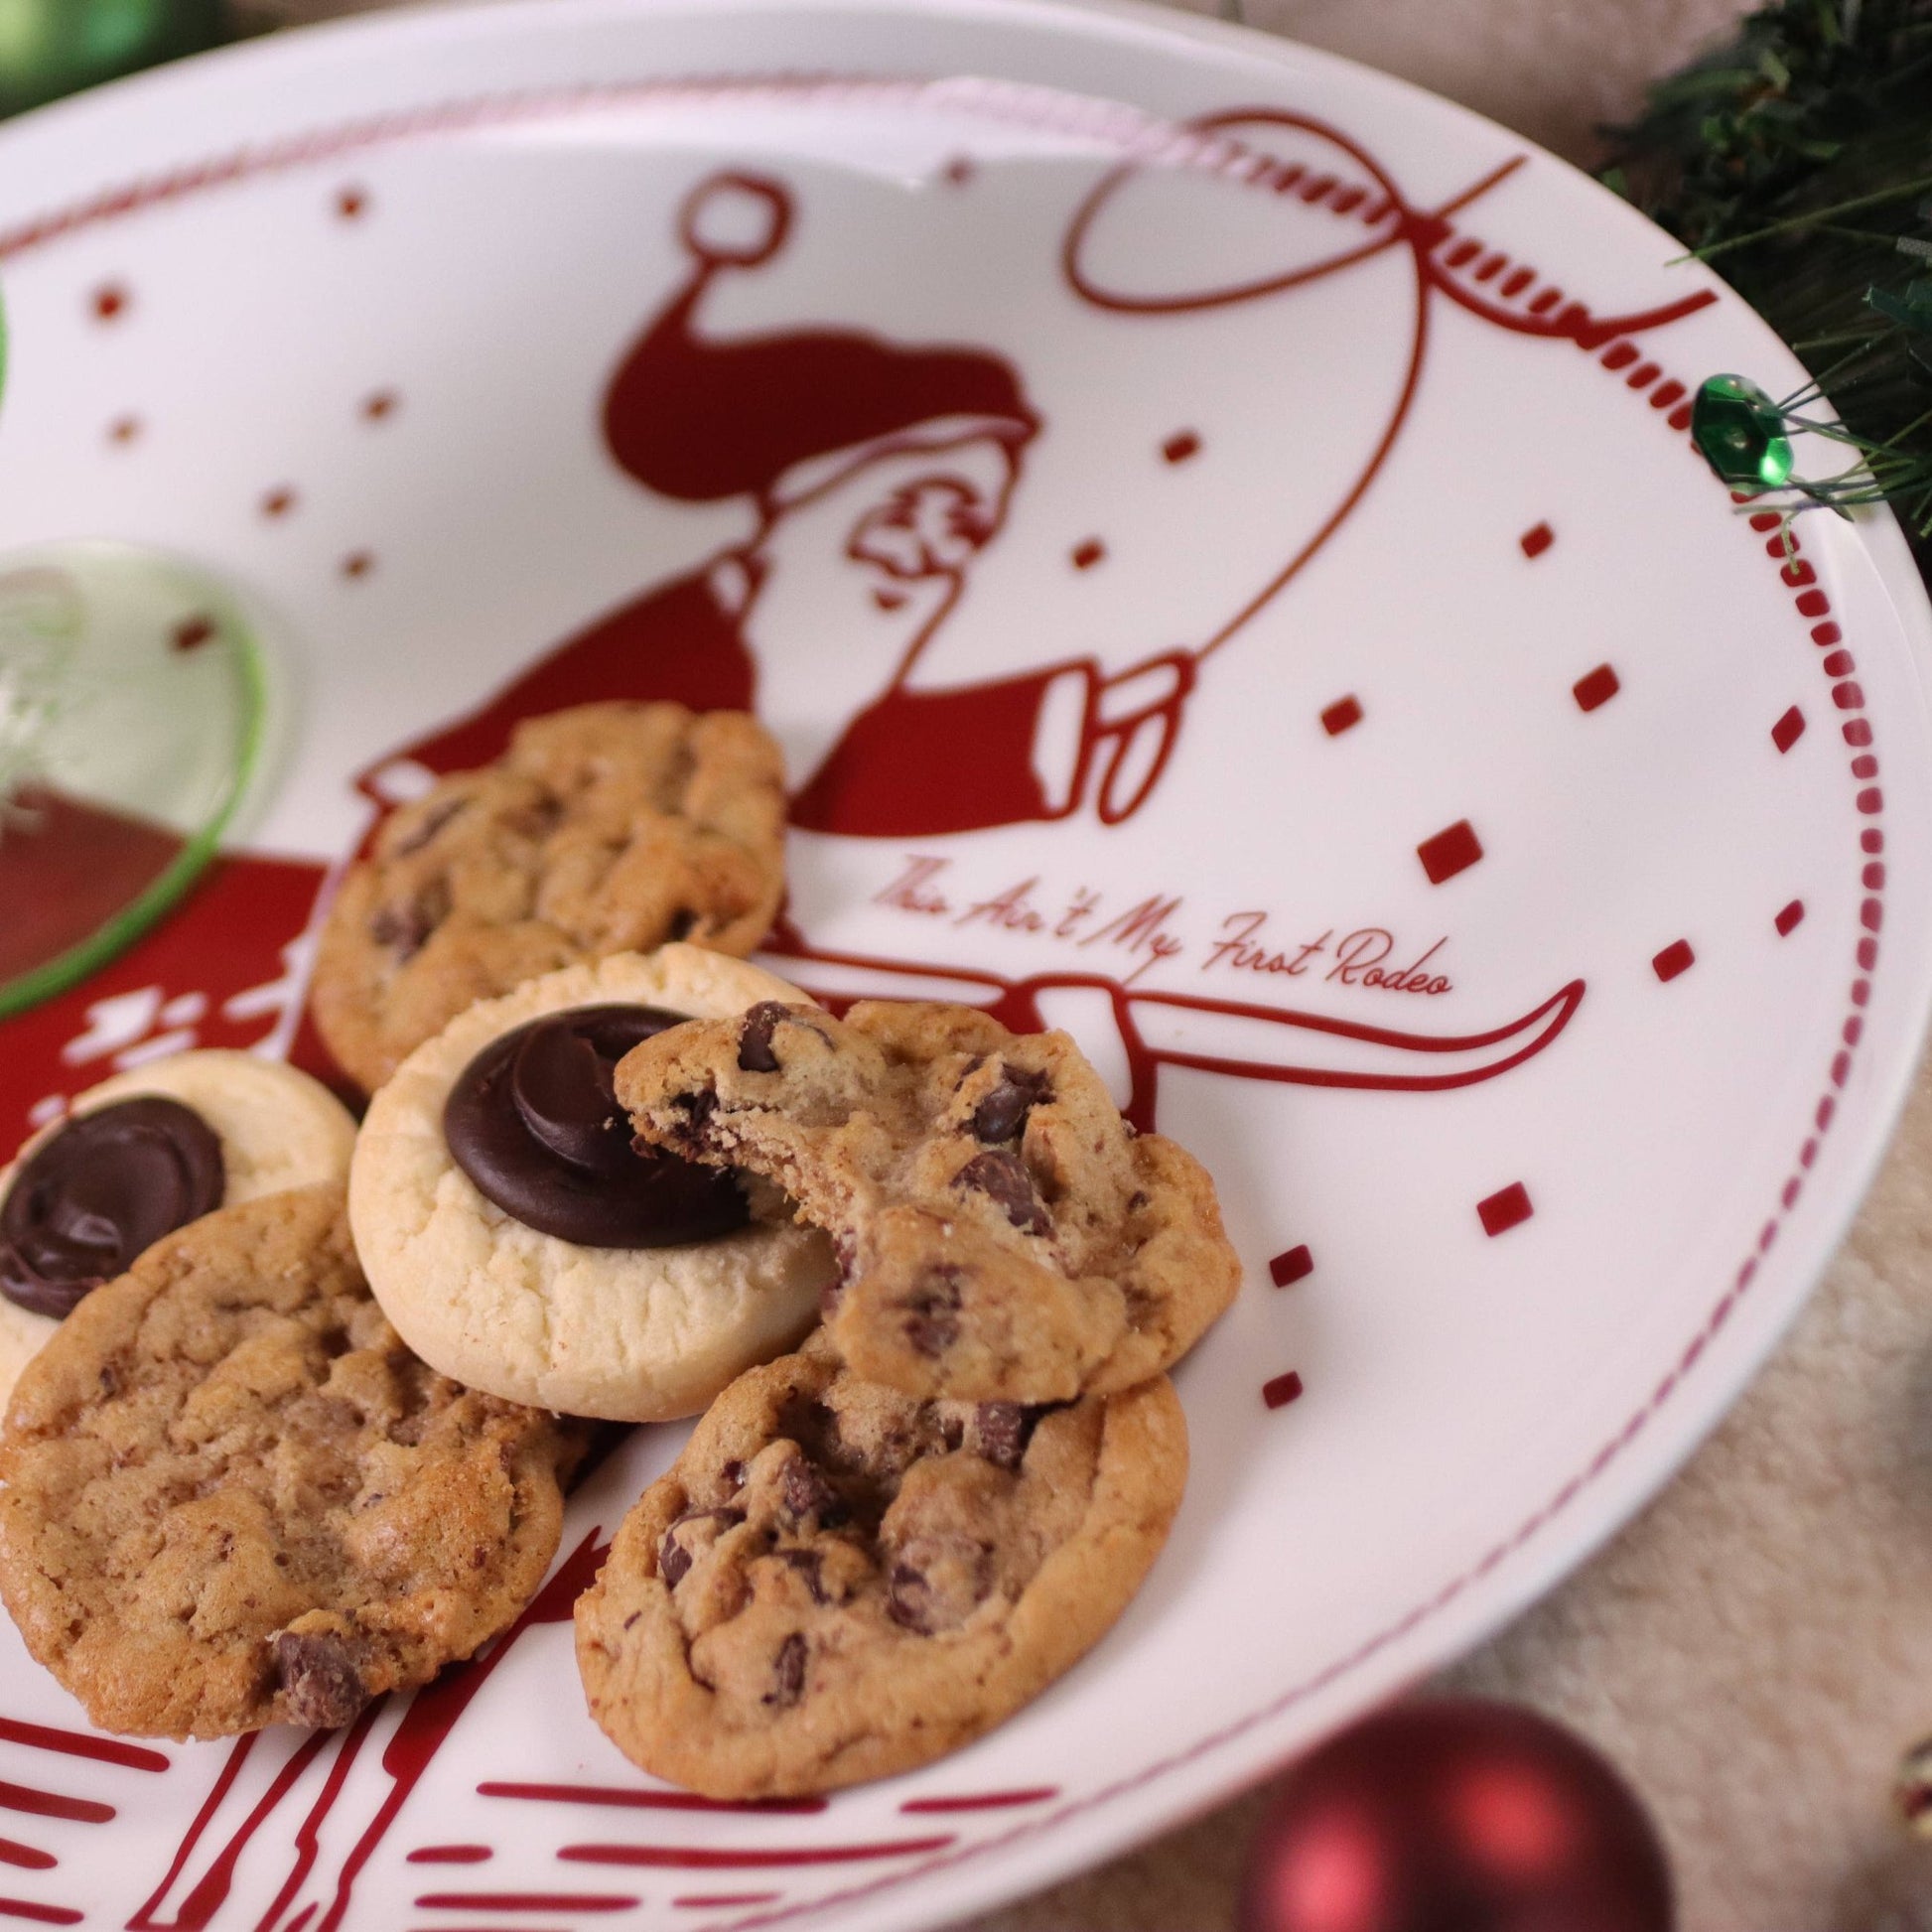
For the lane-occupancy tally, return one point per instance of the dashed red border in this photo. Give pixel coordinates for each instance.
(1467, 269)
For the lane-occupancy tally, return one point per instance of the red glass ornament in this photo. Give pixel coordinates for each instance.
(1452, 1815)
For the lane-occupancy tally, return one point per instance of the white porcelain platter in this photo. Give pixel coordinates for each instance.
(1216, 534)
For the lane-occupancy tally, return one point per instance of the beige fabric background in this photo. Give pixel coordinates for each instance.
(1757, 1649)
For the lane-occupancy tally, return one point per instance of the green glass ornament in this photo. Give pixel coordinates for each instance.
(1740, 432)
(50, 48)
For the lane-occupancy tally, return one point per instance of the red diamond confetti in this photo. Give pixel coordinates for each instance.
(1455, 848)
(1282, 1390)
(1595, 688)
(1676, 958)
(1291, 1265)
(1506, 1208)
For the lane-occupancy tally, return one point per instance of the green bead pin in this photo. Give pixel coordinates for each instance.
(1740, 432)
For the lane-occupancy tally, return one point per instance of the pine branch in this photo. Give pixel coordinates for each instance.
(1818, 110)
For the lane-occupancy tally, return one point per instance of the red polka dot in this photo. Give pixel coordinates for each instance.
(1506, 1208)
(1088, 553)
(1789, 918)
(277, 501)
(1537, 539)
(1455, 848)
(1595, 688)
(382, 403)
(1291, 1265)
(110, 300)
(1343, 715)
(1279, 1392)
(192, 632)
(124, 429)
(358, 563)
(960, 170)
(351, 202)
(1788, 730)
(1675, 958)
(1181, 445)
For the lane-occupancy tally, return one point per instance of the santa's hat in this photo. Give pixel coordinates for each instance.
(770, 416)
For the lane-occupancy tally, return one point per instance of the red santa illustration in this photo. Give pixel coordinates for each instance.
(879, 472)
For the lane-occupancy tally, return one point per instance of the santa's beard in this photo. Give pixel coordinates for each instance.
(829, 633)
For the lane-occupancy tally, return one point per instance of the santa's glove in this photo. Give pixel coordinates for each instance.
(1133, 719)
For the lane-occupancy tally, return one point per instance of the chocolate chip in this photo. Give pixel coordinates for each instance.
(952, 1431)
(697, 1108)
(789, 1672)
(537, 821)
(932, 1312)
(1002, 1177)
(906, 1598)
(809, 1564)
(405, 928)
(733, 1473)
(1003, 1113)
(682, 924)
(755, 1054)
(674, 1558)
(805, 1491)
(432, 822)
(1003, 1429)
(317, 1677)
(936, 1583)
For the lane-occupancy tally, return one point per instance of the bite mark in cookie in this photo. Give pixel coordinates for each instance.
(605, 828)
(1002, 1234)
(836, 1582)
(234, 1497)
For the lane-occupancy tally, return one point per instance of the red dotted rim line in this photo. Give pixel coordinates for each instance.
(1341, 197)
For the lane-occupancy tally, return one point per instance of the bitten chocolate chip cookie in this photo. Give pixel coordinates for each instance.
(520, 1241)
(1004, 1235)
(139, 1156)
(608, 828)
(835, 1581)
(234, 1498)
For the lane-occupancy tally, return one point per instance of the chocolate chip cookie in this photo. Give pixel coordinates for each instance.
(1002, 1234)
(234, 1498)
(606, 828)
(836, 1582)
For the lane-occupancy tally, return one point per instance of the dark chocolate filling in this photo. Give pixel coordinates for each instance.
(533, 1120)
(94, 1195)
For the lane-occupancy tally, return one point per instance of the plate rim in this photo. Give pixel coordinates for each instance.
(1543, 1550)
